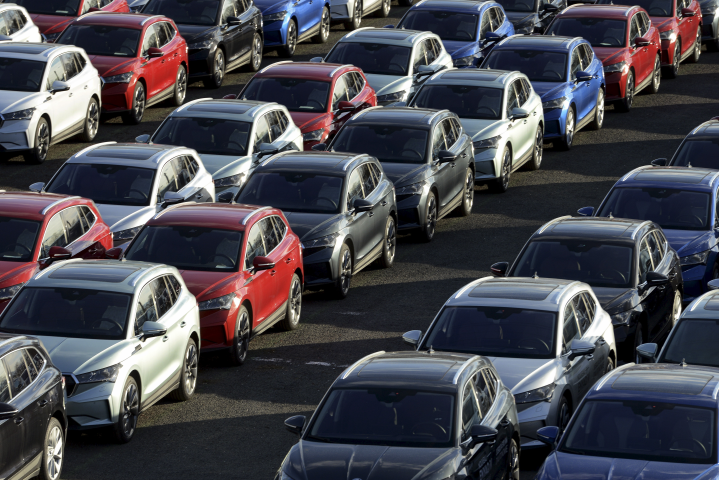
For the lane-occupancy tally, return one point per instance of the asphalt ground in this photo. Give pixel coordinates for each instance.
(233, 426)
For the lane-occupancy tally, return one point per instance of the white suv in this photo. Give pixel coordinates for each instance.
(47, 93)
(16, 24)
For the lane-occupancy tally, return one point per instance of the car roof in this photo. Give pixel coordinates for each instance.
(706, 306)
(708, 129)
(34, 206)
(240, 110)
(388, 36)
(135, 154)
(32, 51)
(453, 5)
(619, 12)
(552, 43)
(698, 179)
(406, 116)
(210, 215)
(10, 342)
(135, 21)
(331, 163)
(594, 228)
(474, 76)
(305, 70)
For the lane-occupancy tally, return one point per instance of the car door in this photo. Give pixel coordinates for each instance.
(594, 67)
(11, 432)
(578, 371)
(687, 27)
(277, 283)
(443, 173)
(601, 352)
(378, 217)
(284, 256)
(152, 355)
(30, 415)
(534, 107)
(499, 418)
(382, 198)
(261, 281)
(638, 53)
(308, 13)
(167, 73)
(151, 67)
(172, 316)
(522, 130)
(360, 223)
(456, 146)
(76, 226)
(665, 294)
(63, 111)
(231, 34)
(247, 28)
(343, 91)
(78, 94)
(580, 90)
(479, 458)
(85, 79)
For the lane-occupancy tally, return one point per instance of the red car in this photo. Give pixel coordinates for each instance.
(142, 60)
(38, 228)
(53, 16)
(624, 39)
(319, 96)
(243, 263)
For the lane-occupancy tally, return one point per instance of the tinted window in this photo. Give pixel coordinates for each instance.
(269, 234)
(54, 235)
(182, 170)
(167, 181)
(262, 132)
(163, 37)
(296, 94)
(210, 136)
(388, 143)
(693, 341)
(570, 329)
(518, 5)
(276, 128)
(80, 61)
(354, 188)
(470, 409)
(17, 239)
(512, 98)
(280, 227)
(67, 8)
(438, 140)
(450, 135)
(537, 65)
(599, 32)
(145, 310)
(467, 101)
(580, 310)
(195, 12)
(484, 393)
(368, 180)
(149, 40)
(255, 246)
(56, 73)
(228, 10)
(36, 358)
(102, 40)
(87, 218)
(18, 370)
(654, 249)
(447, 25)
(175, 285)
(5, 23)
(163, 299)
(4, 384)
(591, 305)
(293, 192)
(698, 153)
(73, 227)
(340, 92)
(21, 75)
(486, 25)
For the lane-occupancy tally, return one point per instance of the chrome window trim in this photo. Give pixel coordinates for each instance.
(463, 368)
(78, 238)
(27, 388)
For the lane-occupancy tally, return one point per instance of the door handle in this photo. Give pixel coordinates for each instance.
(19, 420)
(70, 94)
(288, 260)
(384, 203)
(453, 165)
(464, 154)
(504, 423)
(176, 54)
(272, 273)
(590, 358)
(198, 196)
(165, 338)
(85, 87)
(42, 403)
(602, 342)
(370, 214)
(182, 324)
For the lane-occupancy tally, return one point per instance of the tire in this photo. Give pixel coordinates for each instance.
(564, 413)
(180, 87)
(41, 145)
(126, 425)
(288, 49)
(694, 57)
(256, 58)
(294, 305)
(139, 100)
(610, 365)
(428, 228)
(625, 104)
(713, 45)
(344, 279)
(656, 76)
(513, 460)
(389, 245)
(638, 340)
(536, 160)
(356, 21)
(324, 34)
(92, 121)
(218, 70)
(465, 208)
(598, 121)
(565, 143)
(676, 307)
(501, 185)
(241, 340)
(673, 70)
(384, 10)
(53, 451)
(188, 376)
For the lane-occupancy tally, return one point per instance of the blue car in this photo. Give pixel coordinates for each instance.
(648, 422)
(462, 25)
(289, 22)
(683, 202)
(565, 72)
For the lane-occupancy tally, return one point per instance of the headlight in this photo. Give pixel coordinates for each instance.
(19, 115)
(622, 318)
(231, 181)
(108, 374)
(467, 61)
(126, 235)
(274, 16)
(204, 44)
(617, 67)
(122, 78)
(536, 395)
(668, 35)
(8, 292)
(326, 241)
(219, 303)
(524, 28)
(313, 136)
(400, 96)
(554, 104)
(51, 37)
(487, 143)
(413, 189)
(696, 259)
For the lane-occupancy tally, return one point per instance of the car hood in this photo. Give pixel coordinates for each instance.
(313, 225)
(51, 23)
(221, 166)
(406, 173)
(13, 101)
(309, 121)
(271, 6)
(476, 127)
(523, 374)
(193, 32)
(107, 65)
(460, 49)
(688, 242)
(121, 217)
(386, 84)
(567, 466)
(81, 355)
(12, 273)
(206, 285)
(616, 300)
(611, 55)
(518, 18)
(549, 90)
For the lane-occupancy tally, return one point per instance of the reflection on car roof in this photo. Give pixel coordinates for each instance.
(134, 152)
(514, 290)
(94, 273)
(26, 48)
(662, 382)
(224, 106)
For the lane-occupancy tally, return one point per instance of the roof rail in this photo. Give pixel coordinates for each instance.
(92, 147)
(351, 160)
(182, 107)
(470, 284)
(2, 191)
(429, 122)
(339, 68)
(358, 362)
(462, 368)
(53, 204)
(352, 33)
(159, 214)
(634, 234)
(713, 178)
(253, 213)
(546, 225)
(142, 272)
(609, 375)
(273, 64)
(150, 18)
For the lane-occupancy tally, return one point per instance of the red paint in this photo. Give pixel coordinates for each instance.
(51, 24)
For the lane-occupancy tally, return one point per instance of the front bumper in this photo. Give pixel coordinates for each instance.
(411, 211)
(616, 86)
(532, 417)
(486, 165)
(555, 123)
(340, 12)
(217, 328)
(275, 32)
(695, 278)
(92, 405)
(710, 26)
(667, 52)
(15, 135)
(200, 62)
(321, 265)
(117, 97)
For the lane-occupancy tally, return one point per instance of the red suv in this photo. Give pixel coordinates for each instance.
(626, 41)
(141, 59)
(319, 96)
(243, 263)
(53, 16)
(38, 228)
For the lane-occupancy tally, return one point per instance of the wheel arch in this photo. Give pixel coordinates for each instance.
(46, 116)
(60, 418)
(138, 379)
(351, 246)
(298, 272)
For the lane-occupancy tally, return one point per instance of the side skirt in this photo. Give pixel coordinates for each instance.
(276, 316)
(163, 95)
(373, 255)
(72, 131)
(31, 469)
(311, 32)
(160, 394)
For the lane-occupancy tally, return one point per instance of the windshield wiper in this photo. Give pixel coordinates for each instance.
(319, 439)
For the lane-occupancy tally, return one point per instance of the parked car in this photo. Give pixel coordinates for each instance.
(350, 12)
(218, 39)
(632, 269)
(124, 335)
(32, 73)
(710, 25)
(640, 421)
(682, 201)
(679, 23)
(557, 66)
(530, 16)
(626, 41)
(123, 180)
(393, 415)
(341, 206)
(320, 97)
(286, 23)
(228, 135)
(16, 25)
(502, 114)
(141, 60)
(242, 263)
(425, 153)
(461, 24)
(700, 148)
(395, 62)
(36, 230)
(548, 339)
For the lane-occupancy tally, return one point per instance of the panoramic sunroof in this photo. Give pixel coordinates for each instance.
(513, 291)
(94, 273)
(662, 382)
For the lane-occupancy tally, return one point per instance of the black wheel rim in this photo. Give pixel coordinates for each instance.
(181, 85)
(506, 170)
(600, 108)
(431, 216)
(345, 271)
(539, 148)
(291, 38)
(256, 52)
(610, 366)
(93, 119)
(139, 102)
(630, 90)
(219, 72)
(325, 28)
(469, 191)
(569, 135)
(190, 369)
(242, 336)
(42, 143)
(358, 13)
(391, 239)
(130, 410)
(295, 301)
(563, 417)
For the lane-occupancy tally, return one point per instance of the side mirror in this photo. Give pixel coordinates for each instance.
(37, 187)
(295, 424)
(316, 60)
(655, 279)
(480, 434)
(713, 284)
(362, 205)
(155, 52)
(262, 263)
(491, 37)
(225, 197)
(320, 147)
(230, 96)
(499, 269)
(548, 435)
(548, 7)
(59, 253)
(58, 86)
(445, 156)
(114, 253)
(425, 70)
(412, 337)
(641, 42)
(388, 26)
(687, 12)
(152, 329)
(346, 107)
(648, 351)
(233, 21)
(583, 76)
(579, 348)
(266, 149)
(518, 114)
(7, 411)
(142, 139)
(172, 198)
(586, 211)
(659, 162)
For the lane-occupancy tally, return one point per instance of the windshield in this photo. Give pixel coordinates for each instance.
(447, 25)
(600, 32)
(650, 431)
(494, 331)
(66, 8)
(21, 75)
(188, 248)
(17, 239)
(698, 153)
(376, 58)
(295, 94)
(107, 184)
(293, 192)
(655, 8)
(689, 341)
(464, 100)
(539, 66)
(185, 12)
(385, 142)
(383, 416)
(598, 264)
(671, 209)
(211, 136)
(68, 312)
(518, 5)
(102, 40)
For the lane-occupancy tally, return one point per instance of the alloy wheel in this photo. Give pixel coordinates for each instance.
(242, 335)
(698, 46)
(539, 148)
(42, 142)
(431, 216)
(390, 236)
(600, 109)
(181, 85)
(677, 56)
(569, 129)
(256, 52)
(564, 416)
(93, 119)
(139, 106)
(657, 74)
(629, 95)
(610, 365)
(291, 38)
(130, 410)
(358, 14)
(325, 27)
(219, 72)
(386, 5)
(55, 449)
(506, 170)
(469, 191)
(346, 271)
(676, 308)
(191, 369)
(295, 300)
(513, 461)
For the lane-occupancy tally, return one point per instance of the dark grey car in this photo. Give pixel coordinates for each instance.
(426, 153)
(342, 207)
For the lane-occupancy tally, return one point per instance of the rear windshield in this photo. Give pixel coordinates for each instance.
(102, 40)
(600, 32)
(17, 239)
(447, 25)
(694, 342)
(372, 58)
(388, 143)
(539, 66)
(66, 8)
(296, 94)
(698, 153)
(466, 101)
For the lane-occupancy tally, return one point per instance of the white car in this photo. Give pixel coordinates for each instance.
(227, 134)
(350, 12)
(131, 183)
(47, 93)
(16, 25)
(499, 110)
(395, 62)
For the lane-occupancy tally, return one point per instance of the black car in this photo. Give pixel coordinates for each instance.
(633, 271)
(427, 155)
(409, 415)
(531, 16)
(221, 35)
(699, 149)
(33, 424)
(341, 206)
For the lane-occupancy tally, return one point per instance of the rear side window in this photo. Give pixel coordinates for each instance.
(163, 299)
(4, 385)
(56, 72)
(255, 247)
(175, 286)
(87, 218)
(582, 314)
(269, 234)
(570, 330)
(280, 227)
(450, 134)
(19, 374)
(512, 98)
(73, 225)
(54, 235)
(484, 393)
(368, 180)
(146, 311)
(262, 131)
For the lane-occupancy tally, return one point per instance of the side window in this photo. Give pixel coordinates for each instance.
(449, 133)
(10, 18)
(166, 182)
(661, 245)
(586, 55)
(228, 10)
(275, 127)
(73, 226)
(255, 247)
(438, 141)
(580, 310)
(512, 98)
(591, 306)
(280, 227)
(262, 131)
(87, 218)
(359, 82)
(68, 60)
(420, 56)
(162, 37)
(647, 22)
(376, 172)
(484, 393)
(437, 47)
(368, 180)
(576, 63)
(645, 260)
(4, 385)
(570, 329)
(30, 365)
(54, 235)
(521, 93)
(240, 7)
(340, 93)
(457, 126)
(354, 188)
(175, 286)
(150, 40)
(18, 370)
(497, 18)
(470, 410)
(284, 121)
(654, 249)
(485, 26)
(527, 87)
(5, 23)
(171, 32)
(146, 311)
(56, 72)
(88, 4)
(182, 170)
(79, 62)
(634, 30)
(429, 51)
(680, 5)
(163, 298)
(269, 234)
